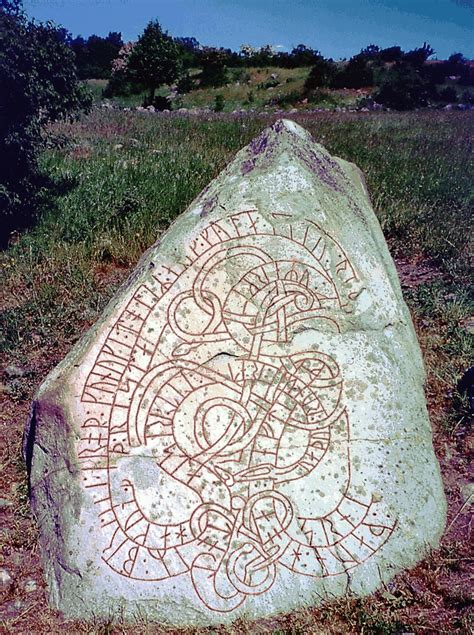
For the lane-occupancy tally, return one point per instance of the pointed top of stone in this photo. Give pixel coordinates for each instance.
(285, 135)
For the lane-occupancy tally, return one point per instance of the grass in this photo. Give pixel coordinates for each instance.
(125, 176)
(253, 89)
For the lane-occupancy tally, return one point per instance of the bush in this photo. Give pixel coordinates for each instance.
(39, 85)
(403, 87)
(240, 75)
(290, 99)
(321, 75)
(214, 73)
(358, 73)
(269, 83)
(448, 94)
(219, 103)
(120, 84)
(322, 98)
(185, 84)
(159, 102)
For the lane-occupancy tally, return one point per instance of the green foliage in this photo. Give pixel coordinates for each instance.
(39, 85)
(121, 84)
(155, 59)
(357, 73)
(403, 86)
(301, 55)
(94, 56)
(185, 84)
(219, 103)
(321, 75)
(286, 100)
(323, 98)
(189, 49)
(214, 72)
(448, 94)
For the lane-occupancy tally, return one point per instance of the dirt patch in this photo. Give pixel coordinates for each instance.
(413, 273)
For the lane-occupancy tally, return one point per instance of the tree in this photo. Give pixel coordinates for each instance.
(458, 66)
(247, 51)
(94, 56)
(408, 83)
(302, 55)
(370, 52)
(12, 7)
(38, 85)
(155, 59)
(189, 51)
(120, 82)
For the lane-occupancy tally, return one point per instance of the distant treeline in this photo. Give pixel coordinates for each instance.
(397, 79)
(95, 55)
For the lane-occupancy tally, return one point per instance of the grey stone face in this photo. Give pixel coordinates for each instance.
(244, 430)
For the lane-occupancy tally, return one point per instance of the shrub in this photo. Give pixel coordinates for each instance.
(322, 97)
(159, 103)
(219, 103)
(448, 94)
(322, 74)
(214, 73)
(269, 83)
(403, 87)
(290, 99)
(357, 73)
(240, 75)
(185, 84)
(39, 85)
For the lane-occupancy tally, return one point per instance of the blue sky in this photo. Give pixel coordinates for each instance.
(338, 28)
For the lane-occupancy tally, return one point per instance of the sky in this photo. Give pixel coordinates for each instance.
(337, 28)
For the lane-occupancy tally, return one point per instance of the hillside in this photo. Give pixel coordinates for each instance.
(270, 88)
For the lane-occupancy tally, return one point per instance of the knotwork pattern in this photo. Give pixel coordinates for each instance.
(207, 427)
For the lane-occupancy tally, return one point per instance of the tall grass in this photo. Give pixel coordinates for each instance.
(133, 173)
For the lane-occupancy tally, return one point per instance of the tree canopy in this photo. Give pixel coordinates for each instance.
(38, 85)
(155, 59)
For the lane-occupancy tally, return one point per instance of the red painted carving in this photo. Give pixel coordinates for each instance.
(197, 393)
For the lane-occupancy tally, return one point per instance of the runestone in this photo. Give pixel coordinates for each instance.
(244, 430)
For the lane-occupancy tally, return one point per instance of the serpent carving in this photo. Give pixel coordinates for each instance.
(206, 429)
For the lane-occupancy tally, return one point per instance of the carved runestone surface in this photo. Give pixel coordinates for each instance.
(244, 430)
